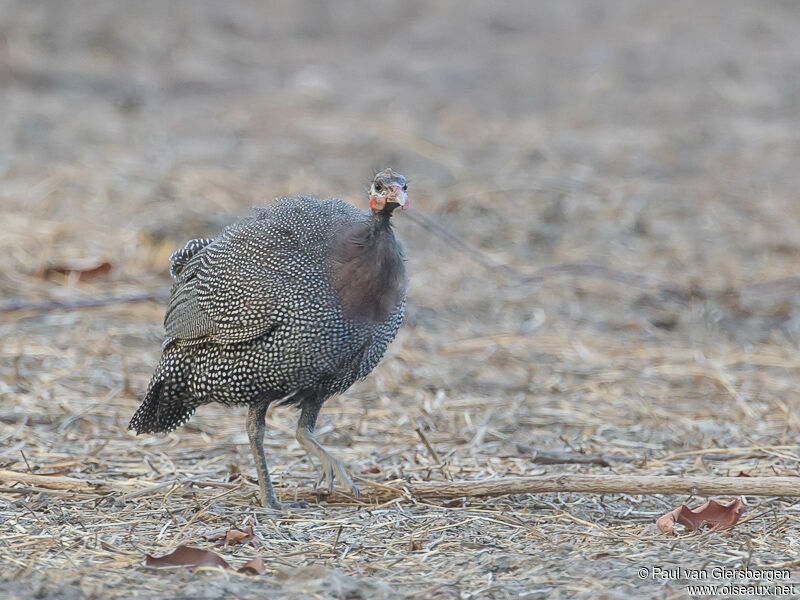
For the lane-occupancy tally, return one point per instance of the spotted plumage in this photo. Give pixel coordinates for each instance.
(294, 303)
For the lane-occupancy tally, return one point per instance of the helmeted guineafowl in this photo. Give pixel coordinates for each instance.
(293, 304)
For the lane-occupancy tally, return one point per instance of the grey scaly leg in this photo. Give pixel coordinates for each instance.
(330, 466)
(255, 430)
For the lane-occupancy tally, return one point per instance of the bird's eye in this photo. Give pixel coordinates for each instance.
(405, 187)
(378, 186)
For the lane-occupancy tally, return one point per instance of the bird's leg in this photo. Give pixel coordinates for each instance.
(255, 430)
(330, 466)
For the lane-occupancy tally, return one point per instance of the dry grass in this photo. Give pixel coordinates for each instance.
(631, 138)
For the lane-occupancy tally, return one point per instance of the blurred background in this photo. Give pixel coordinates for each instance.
(656, 141)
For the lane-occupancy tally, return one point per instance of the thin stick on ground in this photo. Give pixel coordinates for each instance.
(425, 441)
(586, 484)
(560, 457)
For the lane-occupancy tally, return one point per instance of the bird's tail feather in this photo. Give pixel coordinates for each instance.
(166, 406)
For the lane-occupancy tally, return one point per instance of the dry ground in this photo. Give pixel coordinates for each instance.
(657, 138)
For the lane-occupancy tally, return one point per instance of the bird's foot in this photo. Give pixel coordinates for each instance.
(332, 468)
(273, 504)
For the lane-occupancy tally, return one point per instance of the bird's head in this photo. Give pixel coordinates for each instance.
(388, 191)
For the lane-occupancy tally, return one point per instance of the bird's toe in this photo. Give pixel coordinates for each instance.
(273, 505)
(331, 476)
(325, 482)
(344, 479)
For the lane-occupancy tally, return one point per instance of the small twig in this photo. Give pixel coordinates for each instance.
(336, 541)
(559, 457)
(27, 464)
(428, 445)
(58, 482)
(425, 441)
(161, 485)
(724, 457)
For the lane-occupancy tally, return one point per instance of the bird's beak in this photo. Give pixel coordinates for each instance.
(397, 196)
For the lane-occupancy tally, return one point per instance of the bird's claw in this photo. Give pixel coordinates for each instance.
(333, 468)
(272, 505)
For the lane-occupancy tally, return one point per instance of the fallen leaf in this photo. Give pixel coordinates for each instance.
(86, 269)
(371, 470)
(236, 536)
(255, 566)
(186, 556)
(717, 516)
(234, 473)
(742, 474)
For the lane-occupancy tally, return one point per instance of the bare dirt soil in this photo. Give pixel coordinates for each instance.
(658, 139)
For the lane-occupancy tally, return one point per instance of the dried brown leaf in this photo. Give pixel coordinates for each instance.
(236, 536)
(187, 556)
(234, 473)
(717, 516)
(255, 566)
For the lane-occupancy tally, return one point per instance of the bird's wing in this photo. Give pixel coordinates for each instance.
(238, 286)
(180, 257)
